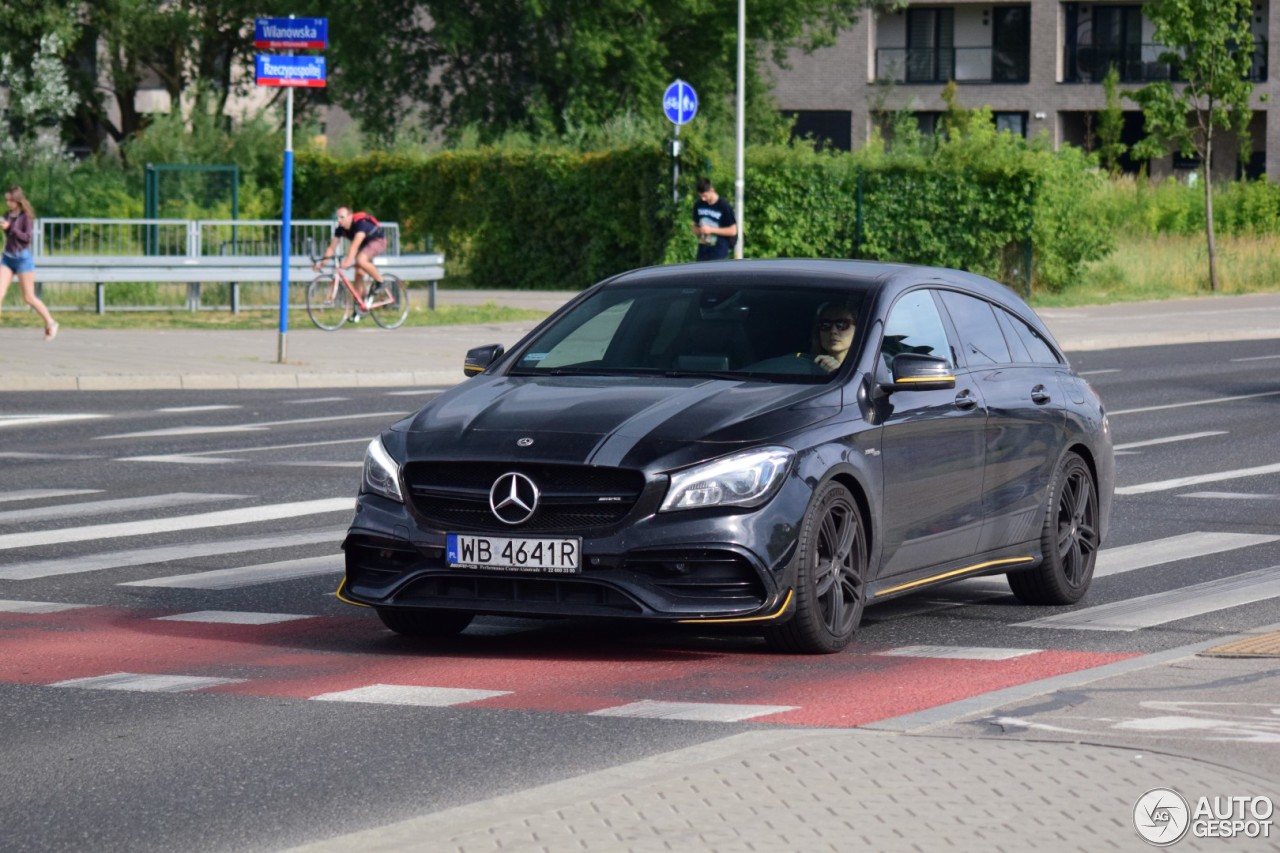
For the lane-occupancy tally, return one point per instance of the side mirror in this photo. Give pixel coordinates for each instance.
(915, 372)
(479, 359)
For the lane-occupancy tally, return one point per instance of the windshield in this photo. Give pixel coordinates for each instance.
(770, 332)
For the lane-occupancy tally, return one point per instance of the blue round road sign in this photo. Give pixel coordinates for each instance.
(680, 102)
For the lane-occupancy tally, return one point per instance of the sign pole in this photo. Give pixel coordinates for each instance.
(286, 227)
(675, 167)
(291, 33)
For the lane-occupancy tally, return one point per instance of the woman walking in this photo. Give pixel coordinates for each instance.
(18, 223)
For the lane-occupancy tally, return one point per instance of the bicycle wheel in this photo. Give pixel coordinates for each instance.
(389, 303)
(326, 306)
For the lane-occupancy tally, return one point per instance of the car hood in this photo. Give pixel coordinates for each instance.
(596, 420)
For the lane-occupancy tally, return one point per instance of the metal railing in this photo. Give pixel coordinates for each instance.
(191, 238)
(1140, 63)
(963, 64)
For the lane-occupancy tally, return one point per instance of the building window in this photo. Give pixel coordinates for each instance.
(1011, 44)
(829, 129)
(931, 54)
(1015, 123)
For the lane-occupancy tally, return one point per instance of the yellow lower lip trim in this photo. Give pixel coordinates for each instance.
(343, 598)
(957, 572)
(720, 621)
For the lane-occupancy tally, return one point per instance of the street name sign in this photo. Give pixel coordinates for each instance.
(296, 71)
(291, 33)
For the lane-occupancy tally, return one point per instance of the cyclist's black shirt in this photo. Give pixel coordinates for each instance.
(363, 226)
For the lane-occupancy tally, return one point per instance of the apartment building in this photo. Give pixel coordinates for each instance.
(1038, 65)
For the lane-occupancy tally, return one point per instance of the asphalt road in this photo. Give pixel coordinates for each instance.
(141, 506)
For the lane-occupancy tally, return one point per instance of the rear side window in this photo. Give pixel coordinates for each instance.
(1037, 347)
(980, 335)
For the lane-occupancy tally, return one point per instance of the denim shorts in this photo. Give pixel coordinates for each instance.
(21, 262)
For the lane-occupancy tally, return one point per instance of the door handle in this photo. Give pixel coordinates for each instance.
(1040, 395)
(966, 400)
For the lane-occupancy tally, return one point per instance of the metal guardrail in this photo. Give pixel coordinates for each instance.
(103, 270)
(55, 237)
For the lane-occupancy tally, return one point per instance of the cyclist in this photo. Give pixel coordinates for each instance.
(367, 241)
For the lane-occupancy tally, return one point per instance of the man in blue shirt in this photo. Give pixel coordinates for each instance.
(713, 223)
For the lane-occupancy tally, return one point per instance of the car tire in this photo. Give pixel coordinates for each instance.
(424, 623)
(831, 576)
(1068, 540)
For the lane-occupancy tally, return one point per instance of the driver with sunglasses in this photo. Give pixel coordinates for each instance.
(832, 335)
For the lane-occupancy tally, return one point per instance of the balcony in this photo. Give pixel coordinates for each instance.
(962, 64)
(1139, 63)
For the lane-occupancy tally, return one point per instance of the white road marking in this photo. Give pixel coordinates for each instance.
(316, 400)
(200, 430)
(1099, 372)
(958, 652)
(38, 494)
(184, 409)
(233, 617)
(711, 712)
(221, 518)
(188, 430)
(141, 683)
(181, 459)
(12, 606)
(249, 575)
(1127, 558)
(61, 457)
(414, 393)
(1231, 496)
(408, 694)
(1169, 440)
(1162, 607)
(87, 508)
(37, 420)
(1212, 402)
(1181, 482)
(352, 464)
(1257, 358)
(294, 446)
(166, 553)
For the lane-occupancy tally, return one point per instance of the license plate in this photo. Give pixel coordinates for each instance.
(541, 556)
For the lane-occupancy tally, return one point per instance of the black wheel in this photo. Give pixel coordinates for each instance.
(389, 302)
(831, 581)
(1069, 540)
(327, 307)
(424, 623)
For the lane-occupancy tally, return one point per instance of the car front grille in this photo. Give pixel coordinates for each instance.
(455, 495)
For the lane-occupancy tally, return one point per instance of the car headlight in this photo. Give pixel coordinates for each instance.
(381, 473)
(744, 479)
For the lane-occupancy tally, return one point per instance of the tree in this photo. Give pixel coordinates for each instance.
(1111, 124)
(545, 66)
(1211, 48)
(38, 99)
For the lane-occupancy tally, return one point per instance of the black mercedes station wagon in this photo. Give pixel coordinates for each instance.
(768, 445)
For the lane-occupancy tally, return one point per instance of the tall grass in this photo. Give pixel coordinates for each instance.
(1173, 266)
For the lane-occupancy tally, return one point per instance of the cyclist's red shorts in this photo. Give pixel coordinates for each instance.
(373, 248)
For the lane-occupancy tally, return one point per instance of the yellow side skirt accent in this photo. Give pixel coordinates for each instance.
(343, 598)
(955, 573)
(722, 620)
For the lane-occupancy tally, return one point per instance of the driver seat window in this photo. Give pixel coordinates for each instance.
(915, 326)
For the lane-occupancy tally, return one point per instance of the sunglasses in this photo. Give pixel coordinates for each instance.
(838, 325)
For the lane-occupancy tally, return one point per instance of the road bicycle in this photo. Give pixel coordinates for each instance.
(331, 297)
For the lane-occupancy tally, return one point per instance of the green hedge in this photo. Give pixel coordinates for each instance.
(561, 219)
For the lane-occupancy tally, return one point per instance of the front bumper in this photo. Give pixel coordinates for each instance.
(712, 565)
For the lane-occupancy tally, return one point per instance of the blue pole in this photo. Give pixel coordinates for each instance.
(286, 228)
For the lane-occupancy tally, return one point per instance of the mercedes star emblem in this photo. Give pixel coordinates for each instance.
(513, 498)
